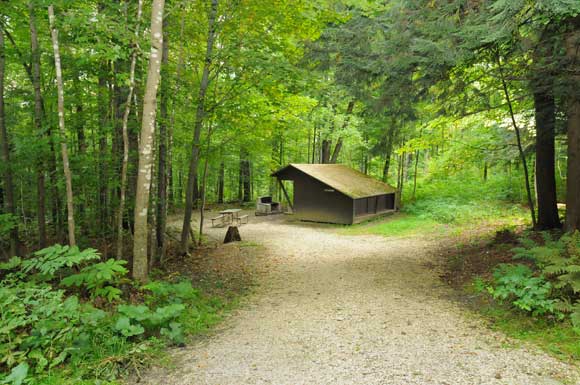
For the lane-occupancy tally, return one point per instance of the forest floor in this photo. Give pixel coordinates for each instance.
(332, 308)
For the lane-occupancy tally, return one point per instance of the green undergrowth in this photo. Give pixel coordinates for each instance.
(70, 317)
(556, 338)
(449, 207)
(527, 287)
(435, 218)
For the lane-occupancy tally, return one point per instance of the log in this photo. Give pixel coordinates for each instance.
(232, 235)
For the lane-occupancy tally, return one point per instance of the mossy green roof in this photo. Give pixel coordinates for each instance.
(344, 179)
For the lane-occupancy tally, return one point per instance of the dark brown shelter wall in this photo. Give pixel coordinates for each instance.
(374, 205)
(315, 201)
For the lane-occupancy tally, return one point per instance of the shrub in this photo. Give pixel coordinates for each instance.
(517, 285)
(43, 326)
(559, 261)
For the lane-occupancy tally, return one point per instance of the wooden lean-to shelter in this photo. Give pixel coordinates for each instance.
(335, 193)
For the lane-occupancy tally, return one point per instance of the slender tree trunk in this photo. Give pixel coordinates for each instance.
(199, 118)
(180, 64)
(400, 179)
(52, 167)
(388, 153)
(245, 176)
(519, 140)
(102, 154)
(146, 143)
(338, 146)
(38, 119)
(162, 155)
(63, 145)
(325, 151)
(485, 168)
(221, 182)
(204, 188)
(8, 181)
(314, 144)
(415, 173)
(125, 133)
(573, 174)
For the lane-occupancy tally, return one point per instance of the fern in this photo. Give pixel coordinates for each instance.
(517, 285)
(48, 261)
(100, 279)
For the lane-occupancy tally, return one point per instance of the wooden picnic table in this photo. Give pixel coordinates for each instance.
(231, 214)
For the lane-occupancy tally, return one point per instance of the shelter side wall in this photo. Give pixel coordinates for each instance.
(315, 201)
(374, 205)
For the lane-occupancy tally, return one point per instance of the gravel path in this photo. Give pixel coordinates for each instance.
(337, 309)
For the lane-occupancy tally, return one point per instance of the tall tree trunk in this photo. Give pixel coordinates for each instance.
(246, 182)
(125, 133)
(102, 163)
(519, 140)
(146, 143)
(545, 109)
(52, 168)
(338, 146)
(162, 155)
(199, 119)
(400, 179)
(573, 174)
(221, 182)
(38, 119)
(325, 157)
(63, 145)
(485, 170)
(171, 129)
(388, 153)
(314, 141)
(415, 174)
(8, 182)
(545, 115)
(204, 187)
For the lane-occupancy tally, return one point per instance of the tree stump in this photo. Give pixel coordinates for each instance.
(233, 235)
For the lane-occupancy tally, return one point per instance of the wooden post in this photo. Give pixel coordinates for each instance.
(286, 194)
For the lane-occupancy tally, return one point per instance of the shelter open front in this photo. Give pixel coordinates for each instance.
(336, 193)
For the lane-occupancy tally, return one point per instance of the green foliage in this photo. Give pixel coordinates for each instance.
(7, 223)
(45, 328)
(39, 325)
(52, 261)
(100, 279)
(136, 320)
(517, 285)
(559, 261)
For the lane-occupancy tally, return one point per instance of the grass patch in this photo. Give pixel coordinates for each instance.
(398, 225)
(435, 219)
(556, 338)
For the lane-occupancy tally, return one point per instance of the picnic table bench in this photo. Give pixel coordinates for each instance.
(229, 216)
(220, 218)
(242, 219)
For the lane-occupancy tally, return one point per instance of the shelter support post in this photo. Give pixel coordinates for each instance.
(286, 194)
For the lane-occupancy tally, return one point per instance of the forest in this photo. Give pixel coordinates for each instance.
(124, 124)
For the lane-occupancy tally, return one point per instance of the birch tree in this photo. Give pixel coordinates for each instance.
(63, 146)
(146, 144)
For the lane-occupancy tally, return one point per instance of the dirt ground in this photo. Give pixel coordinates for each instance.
(336, 309)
